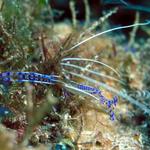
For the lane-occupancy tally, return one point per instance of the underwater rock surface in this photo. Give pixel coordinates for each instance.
(91, 59)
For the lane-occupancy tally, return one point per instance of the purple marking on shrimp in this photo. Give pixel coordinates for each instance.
(115, 100)
(112, 115)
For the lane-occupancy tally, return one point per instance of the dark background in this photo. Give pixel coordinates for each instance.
(125, 15)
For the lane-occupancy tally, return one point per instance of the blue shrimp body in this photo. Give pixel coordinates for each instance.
(36, 78)
(33, 77)
(8, 77)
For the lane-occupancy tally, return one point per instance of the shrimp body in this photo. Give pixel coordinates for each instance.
(8, 77)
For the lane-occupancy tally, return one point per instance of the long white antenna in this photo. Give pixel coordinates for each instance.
(117, 28)
(91, 60)
(91, 71)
